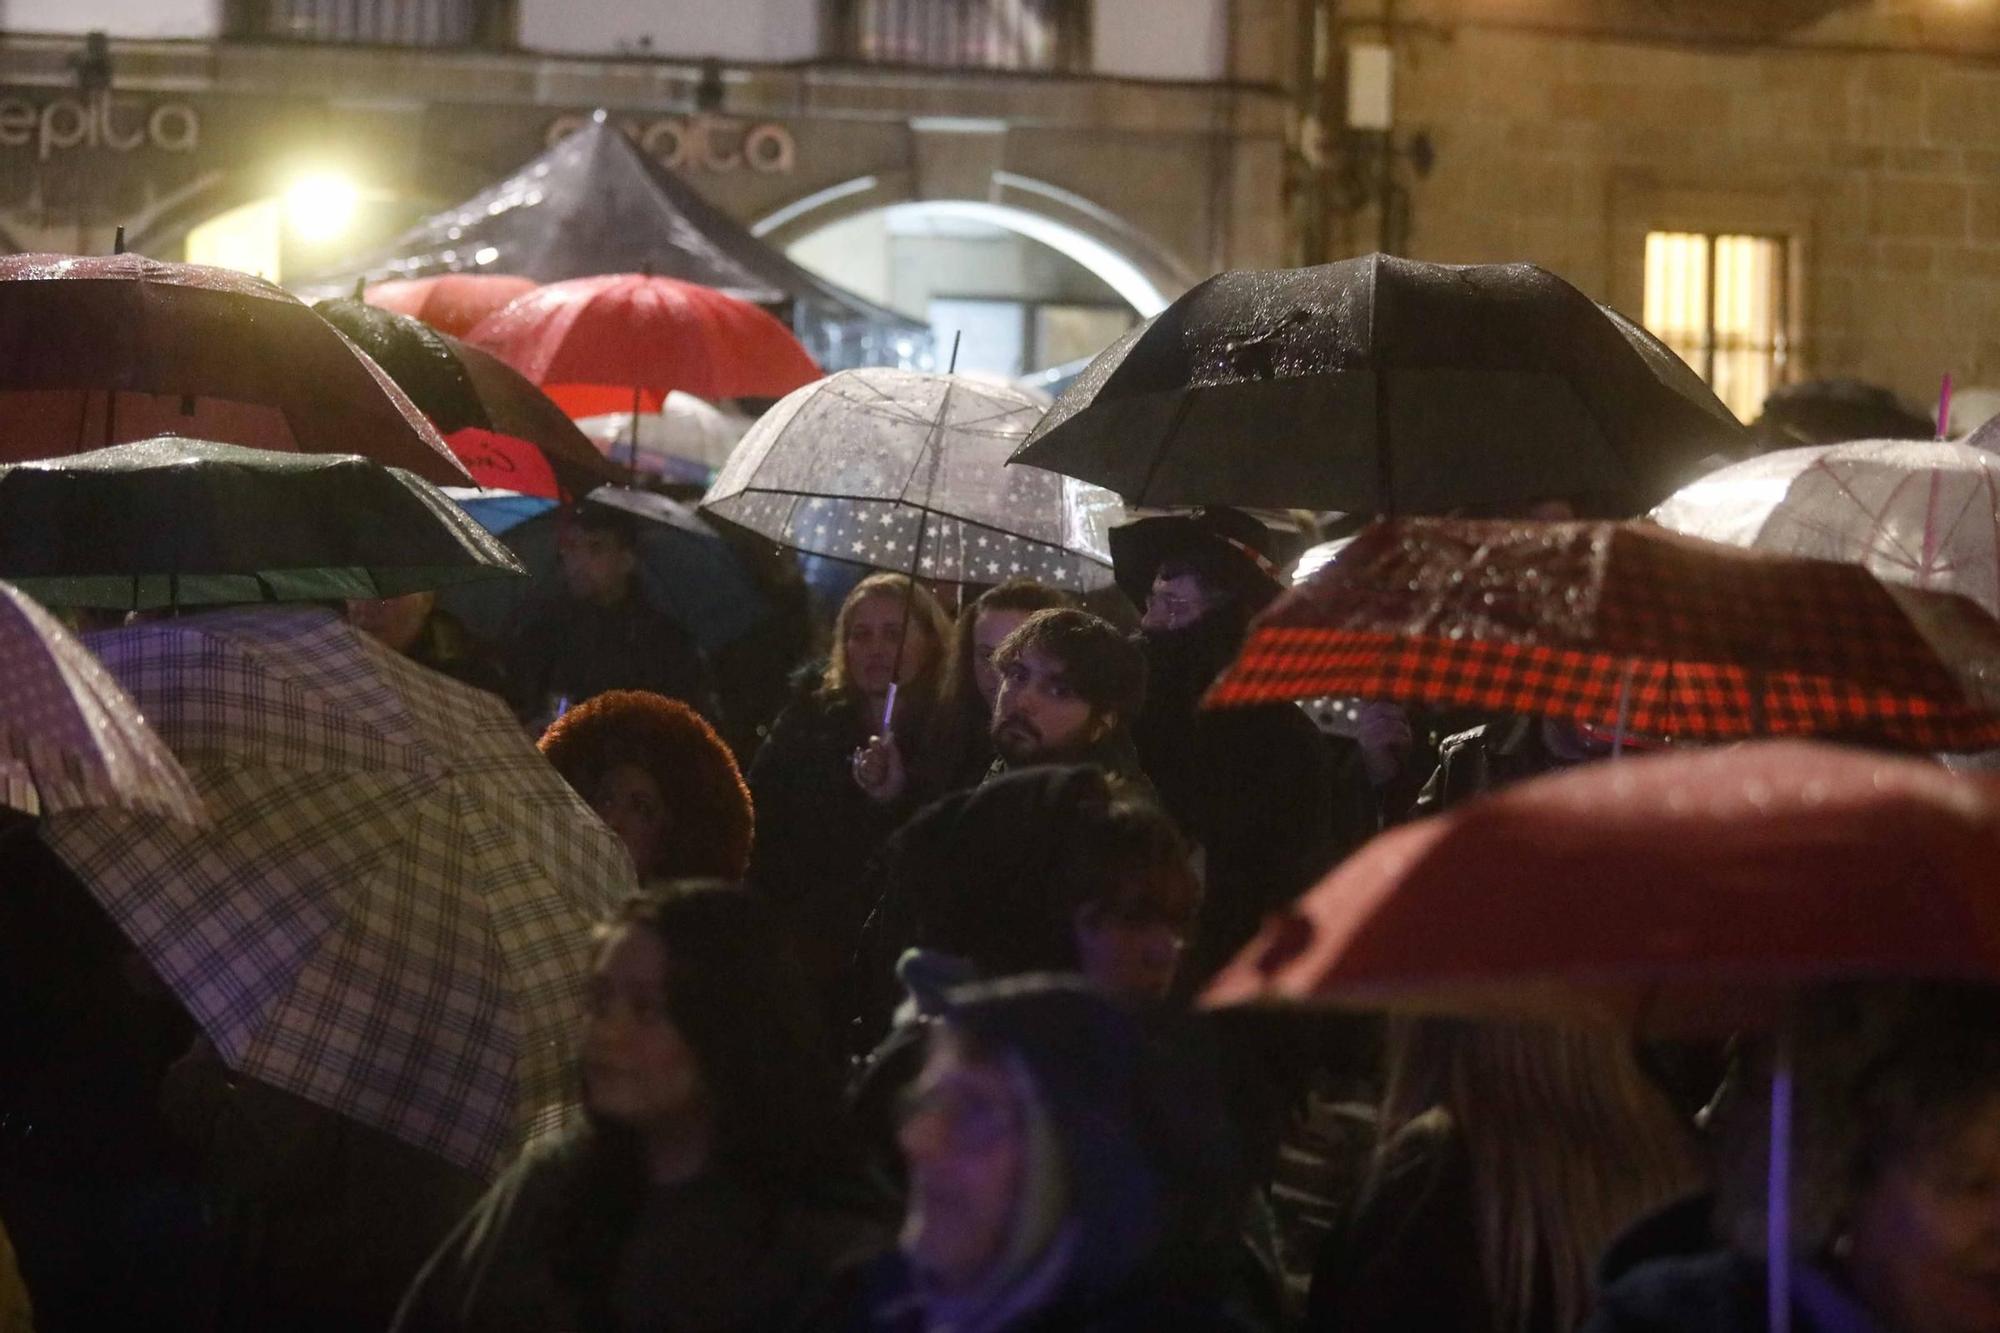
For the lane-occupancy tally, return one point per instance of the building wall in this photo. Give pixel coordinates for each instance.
(1884, 167)
(776, 30)
(121, 18)
(1161, 39)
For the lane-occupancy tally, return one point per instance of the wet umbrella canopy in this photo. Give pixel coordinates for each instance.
(1919, 512)
(460, 387)
(98, 351)
(390, 921)
(1617, 624)
(686, 569)
(861, 465)
(187, 522)
(686, 441)
(593, 203)
(449, 302)
(1383, 385)
(70, 737)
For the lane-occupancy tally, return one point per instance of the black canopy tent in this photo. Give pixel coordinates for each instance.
(594, 203)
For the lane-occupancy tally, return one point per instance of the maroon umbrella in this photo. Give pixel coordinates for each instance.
(111, 349)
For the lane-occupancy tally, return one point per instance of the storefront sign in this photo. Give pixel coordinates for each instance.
(121, 124)
(702, 142)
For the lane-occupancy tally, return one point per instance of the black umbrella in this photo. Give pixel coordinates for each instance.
(174, 522)
(1382, 384)
(459, 387)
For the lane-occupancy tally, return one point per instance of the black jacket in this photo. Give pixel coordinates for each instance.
(708, 1256)
(817, 831)
(1253, 786)
(575, 650)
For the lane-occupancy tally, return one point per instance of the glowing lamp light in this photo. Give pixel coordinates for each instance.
(321, 206)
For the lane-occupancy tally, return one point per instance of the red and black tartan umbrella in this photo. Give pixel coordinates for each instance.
(1625, 624)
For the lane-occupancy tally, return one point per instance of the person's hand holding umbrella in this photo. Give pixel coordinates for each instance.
(879, 770)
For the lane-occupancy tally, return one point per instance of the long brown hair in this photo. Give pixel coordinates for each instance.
(1568, 1143)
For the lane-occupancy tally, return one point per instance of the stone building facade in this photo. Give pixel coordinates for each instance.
(1177, 176)
(1866, 135)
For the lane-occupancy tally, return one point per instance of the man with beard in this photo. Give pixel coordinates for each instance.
(1070, 684)
(1254, 787)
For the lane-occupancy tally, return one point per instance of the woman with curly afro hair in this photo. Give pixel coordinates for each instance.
(661, 778)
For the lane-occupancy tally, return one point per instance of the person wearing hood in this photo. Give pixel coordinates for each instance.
(1069, 686)
(1061, 1178)
(660, 778)
(1254, 787)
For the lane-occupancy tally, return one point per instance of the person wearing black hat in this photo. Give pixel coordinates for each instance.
(1255, 787)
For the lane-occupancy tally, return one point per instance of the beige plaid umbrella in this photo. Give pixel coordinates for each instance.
(390, 917)
(70, 738)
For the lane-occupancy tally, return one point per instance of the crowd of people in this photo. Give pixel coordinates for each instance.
(900, 1034)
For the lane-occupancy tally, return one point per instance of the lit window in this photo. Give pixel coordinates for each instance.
(1723, 303)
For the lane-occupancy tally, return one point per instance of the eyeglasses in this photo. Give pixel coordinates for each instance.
(972, 1119)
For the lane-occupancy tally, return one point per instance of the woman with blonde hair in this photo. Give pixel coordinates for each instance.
(832, 780)
(1511, 1156)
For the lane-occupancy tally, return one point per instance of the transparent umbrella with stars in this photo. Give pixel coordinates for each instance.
(908, 472)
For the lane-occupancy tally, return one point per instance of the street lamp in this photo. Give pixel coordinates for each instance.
(321, 205)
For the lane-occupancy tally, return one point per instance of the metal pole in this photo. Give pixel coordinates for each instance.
(934, 445)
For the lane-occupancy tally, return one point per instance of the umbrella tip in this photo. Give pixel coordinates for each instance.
(118, 242)
(599, 116)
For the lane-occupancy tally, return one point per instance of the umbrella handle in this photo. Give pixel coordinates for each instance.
(1624, 708)
(1778, 1189)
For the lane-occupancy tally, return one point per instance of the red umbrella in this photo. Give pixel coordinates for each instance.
(449, 302)
(505, 463)
(1626, 624)
(1690, 893)
(116, 348)
(623, 341)
(458, 386)
(1676, 893)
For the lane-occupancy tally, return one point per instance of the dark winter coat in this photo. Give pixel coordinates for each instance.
(707, 1256)
(575, 650)
(1253, 786)
(881, 1298)
(1670, 1273)
(818, 832)
(1723, 1292)
(975, 875)
(1115, 756)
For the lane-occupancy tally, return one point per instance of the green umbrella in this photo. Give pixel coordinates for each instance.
(177, 522)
